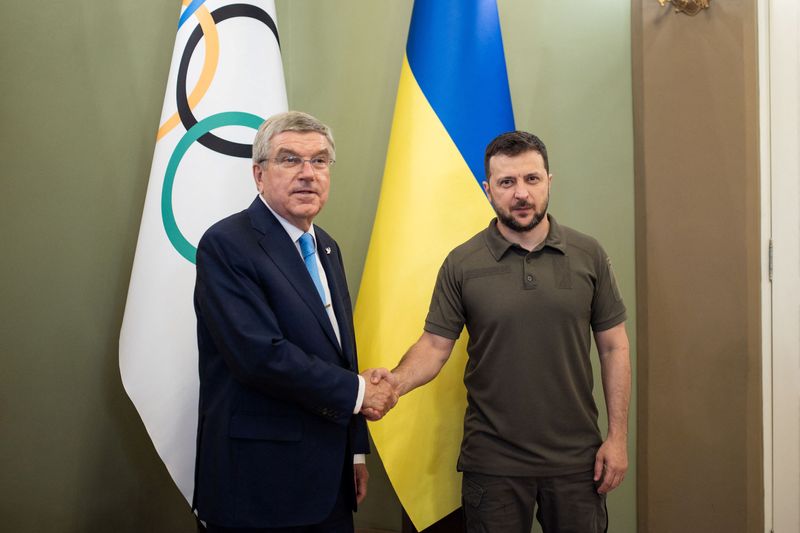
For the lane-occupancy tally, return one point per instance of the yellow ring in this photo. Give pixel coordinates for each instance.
(209, 66)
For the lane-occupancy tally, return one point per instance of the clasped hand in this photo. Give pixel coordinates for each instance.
(380, 394)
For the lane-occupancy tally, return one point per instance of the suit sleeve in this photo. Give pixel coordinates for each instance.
(358, 425)
(244, 328)
(358, 435)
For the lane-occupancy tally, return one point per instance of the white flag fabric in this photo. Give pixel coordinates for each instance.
(226, 77)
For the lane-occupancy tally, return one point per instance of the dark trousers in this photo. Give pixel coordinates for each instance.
(563, 504)
(339, 521)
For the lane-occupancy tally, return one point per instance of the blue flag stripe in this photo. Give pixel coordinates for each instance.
(455, 50)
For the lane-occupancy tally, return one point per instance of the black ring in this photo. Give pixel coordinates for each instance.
(188, 119)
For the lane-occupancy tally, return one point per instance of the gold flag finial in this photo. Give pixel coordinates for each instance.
(690, 7)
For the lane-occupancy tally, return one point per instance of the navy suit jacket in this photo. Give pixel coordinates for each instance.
(277, 393)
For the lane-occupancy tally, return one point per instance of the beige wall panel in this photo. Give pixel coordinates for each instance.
(698, 267)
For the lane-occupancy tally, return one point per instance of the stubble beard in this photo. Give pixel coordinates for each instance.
(508, 220)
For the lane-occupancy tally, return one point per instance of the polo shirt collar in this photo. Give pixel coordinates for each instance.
(498, 245)
(555, 236)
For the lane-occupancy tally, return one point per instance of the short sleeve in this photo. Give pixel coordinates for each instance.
(608, 309)
(446, 313)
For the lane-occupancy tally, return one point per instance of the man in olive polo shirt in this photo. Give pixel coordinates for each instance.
(529, 292)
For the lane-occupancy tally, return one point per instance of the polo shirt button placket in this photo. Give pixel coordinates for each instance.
(530, 279)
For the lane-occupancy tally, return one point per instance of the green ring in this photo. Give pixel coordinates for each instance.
(232, 118)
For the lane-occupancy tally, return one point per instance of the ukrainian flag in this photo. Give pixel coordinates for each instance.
(452, 100)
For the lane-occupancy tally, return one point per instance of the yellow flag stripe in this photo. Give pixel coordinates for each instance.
(429, 203)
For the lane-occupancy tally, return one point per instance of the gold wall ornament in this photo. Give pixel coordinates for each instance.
(690, 7)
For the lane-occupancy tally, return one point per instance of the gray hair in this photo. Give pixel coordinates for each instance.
(289, 121)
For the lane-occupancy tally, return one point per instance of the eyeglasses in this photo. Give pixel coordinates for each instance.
(291, 161)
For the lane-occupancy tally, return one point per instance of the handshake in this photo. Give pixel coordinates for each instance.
(381, 393)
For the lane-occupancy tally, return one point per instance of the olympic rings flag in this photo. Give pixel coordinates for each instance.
(226, 77)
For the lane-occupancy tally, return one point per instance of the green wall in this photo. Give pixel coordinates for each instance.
(81, 92)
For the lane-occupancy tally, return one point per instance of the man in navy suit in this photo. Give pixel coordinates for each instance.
(280, 440)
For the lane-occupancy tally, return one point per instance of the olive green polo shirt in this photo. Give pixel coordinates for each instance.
(529, 316)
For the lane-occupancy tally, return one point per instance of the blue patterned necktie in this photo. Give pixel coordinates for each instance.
(310, 258)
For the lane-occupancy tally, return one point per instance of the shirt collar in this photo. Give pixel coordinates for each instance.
(498, 245)
(294, 232)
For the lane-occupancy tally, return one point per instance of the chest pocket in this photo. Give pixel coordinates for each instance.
(484, 272)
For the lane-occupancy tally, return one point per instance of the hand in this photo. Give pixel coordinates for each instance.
(360, 477)
(377, 374)
(379, 396)
(610, 464)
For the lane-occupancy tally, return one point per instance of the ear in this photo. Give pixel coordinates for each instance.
(485, 184)
(258, 177)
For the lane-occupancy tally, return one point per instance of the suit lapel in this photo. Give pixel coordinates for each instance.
(331, 262)
(280, 248)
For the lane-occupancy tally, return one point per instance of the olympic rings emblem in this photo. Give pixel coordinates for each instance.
(200, 131)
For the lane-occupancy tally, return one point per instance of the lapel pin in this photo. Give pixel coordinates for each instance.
(327, 250)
